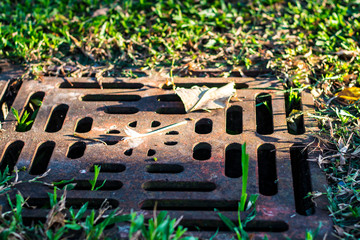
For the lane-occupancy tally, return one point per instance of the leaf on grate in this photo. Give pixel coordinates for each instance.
(204, 98)
(351, 94)
(135, 139)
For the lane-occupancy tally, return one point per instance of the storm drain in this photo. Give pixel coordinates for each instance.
(188, 171)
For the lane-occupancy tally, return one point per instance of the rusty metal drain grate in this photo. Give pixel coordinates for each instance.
(197, 167)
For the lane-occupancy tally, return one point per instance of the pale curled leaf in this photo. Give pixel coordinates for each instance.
(132, 133)
(204, 98)
(134, 138)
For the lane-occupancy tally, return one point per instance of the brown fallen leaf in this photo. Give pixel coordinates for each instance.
(351, 94)
(204, 98)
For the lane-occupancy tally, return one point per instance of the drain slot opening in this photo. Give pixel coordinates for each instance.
(113, 131)
(110, 97)
(9, 96)
(104, 85)
(252, 226)
(109, 167)
(42, 158)
(30, 111)
(151, 152)
(11, 155)
(110, 142)
(234, 120)
(84, 125)
(209, 85)
(57, 118)
(189, 205)
(181, 186)
(202, 151)
(204, 126)
(294, 115)
(164, 168)
(128, 152)
(171, 110)
(133, 124)
(75, 203)
(109, 185)
(233, 167)
(301, 180)
(155, 124)
(268, 182)
(120, 110)
(264, 114)
(31, 221)
(168, 98)
(76, 150)
(172, 133)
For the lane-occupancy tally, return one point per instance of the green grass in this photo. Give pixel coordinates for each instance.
(65, 223)
(311, 45)
(84, 223)
(245, 204)
(94, 180)
(159, 227)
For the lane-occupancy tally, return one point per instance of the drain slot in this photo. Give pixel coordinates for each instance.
(109, 97)
(209, 85)
(128, 152)
(113, 131)
(253, 226)
(57, 118)
(171, 110)
(9, 97)
(104, 85)
(84, 125)
(120, 110)
(75, 203)
(202, 151)
(234, 120)
(155, 124)
(111, 142)
(133, 124)
(233, 167)
(189, 205)
(30, 221)
(164, 168)
(76, 150)
(109, 167)
(181, 186)
(151, 152)
(301, 180)
(11, 155)
(109, 185)
(264, 114)
(172, 133)
(30, 111)
(42, 158)
(293, 107)
(203, 126)
(169, 98)
(268, 182)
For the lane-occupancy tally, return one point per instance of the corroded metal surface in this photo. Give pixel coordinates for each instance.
(183, 171)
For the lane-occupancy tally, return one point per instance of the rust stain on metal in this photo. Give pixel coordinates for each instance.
(206, 160)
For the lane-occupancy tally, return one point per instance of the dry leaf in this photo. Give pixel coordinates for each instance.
(204, 98)
(101, 12)
(316, 92)
(351, 94)
(134, 138)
